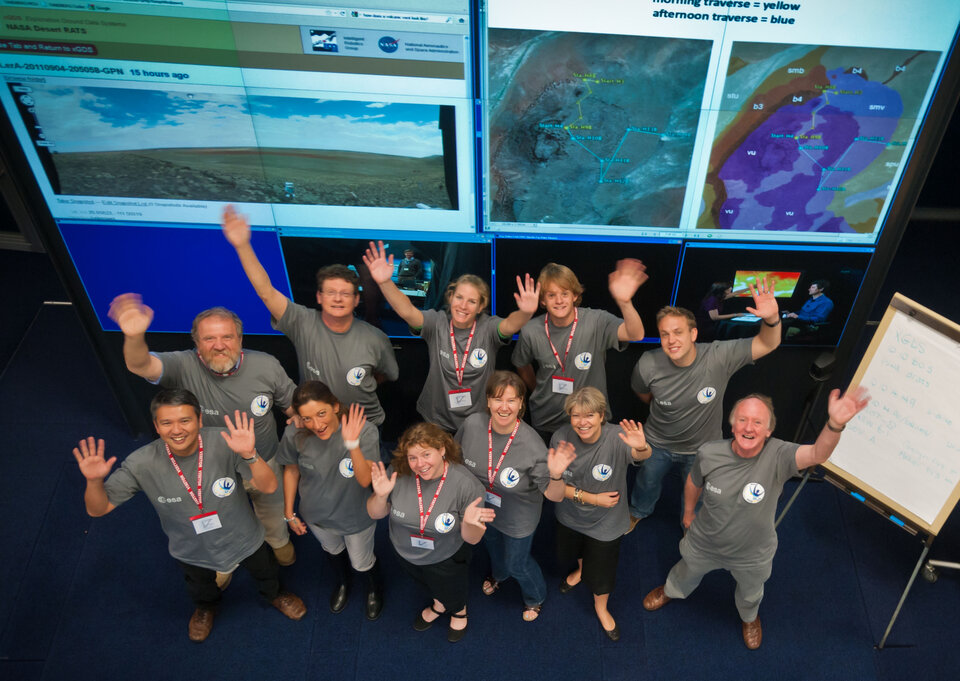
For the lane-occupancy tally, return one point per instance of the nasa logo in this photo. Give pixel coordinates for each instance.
(509, 477)
(261, 405)
(388, 44)
(445, 523)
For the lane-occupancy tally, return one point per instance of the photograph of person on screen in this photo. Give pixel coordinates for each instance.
(815, 312)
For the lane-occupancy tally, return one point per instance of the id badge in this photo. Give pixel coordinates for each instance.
(206, 522)
(562, 386)
(492, 498)
(418, 542)
(459, 399)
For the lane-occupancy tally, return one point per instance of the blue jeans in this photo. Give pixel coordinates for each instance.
(511, 557)
(649, 480)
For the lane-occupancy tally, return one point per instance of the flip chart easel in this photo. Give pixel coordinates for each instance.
(901, 455)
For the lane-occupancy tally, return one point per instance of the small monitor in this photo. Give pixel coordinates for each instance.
(784, 283)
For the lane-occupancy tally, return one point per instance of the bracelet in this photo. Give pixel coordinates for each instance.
(351, 444)
(252, 459)
(576, 496)
(560, 479)
(772, 325)
(290, 519)
(835, 430)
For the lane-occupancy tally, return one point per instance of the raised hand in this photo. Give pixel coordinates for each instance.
(90, 458)
(130, 314)
(607, 499)
(527, 295)
(560, 458)
(352, 423)
(382, 485)
(631, 433)
(239, 435)
(376, 260)
(235, 227)
(624, 281)
(477, 515)
(764, 303)
(842, 408)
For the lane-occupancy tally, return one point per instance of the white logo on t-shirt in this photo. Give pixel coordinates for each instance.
(261, 405)
(753, 492)
(478, 358)
(602, 471)
(445, 522)
(355, 375)
(509, 477)
(706, 395)
(346, 467)
(223, 487)
(582, 361)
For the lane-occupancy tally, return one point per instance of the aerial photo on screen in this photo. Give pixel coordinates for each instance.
(589, 129)
(203, 146)
(809, 138)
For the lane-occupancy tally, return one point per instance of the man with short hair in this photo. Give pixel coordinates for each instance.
(225, 378)
(351, 356)
(190, 477)
(409, 270)
(740, 481)
(684, 383)
(817, 308)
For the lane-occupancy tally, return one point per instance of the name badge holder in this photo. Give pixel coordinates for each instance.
(460, 398)
(420, 541)
(203, 522)
(560, 384)
(491, 497)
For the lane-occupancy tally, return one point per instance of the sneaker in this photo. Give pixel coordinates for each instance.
(290, 605)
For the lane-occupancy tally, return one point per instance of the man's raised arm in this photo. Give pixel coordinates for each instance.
(237, 231)
(133, 318)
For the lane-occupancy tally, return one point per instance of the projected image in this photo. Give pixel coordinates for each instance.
(260, 149)
(591, 129)
(783, 283)
(809, 138)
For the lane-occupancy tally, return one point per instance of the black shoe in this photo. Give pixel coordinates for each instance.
(566, 587)
(338, 599)
(454, 635)
(612, 634)
(374, 604)
(421, 624)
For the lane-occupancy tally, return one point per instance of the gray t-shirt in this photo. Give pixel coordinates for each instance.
(148, 469)
(443, 524)
(258, 385)
(739, 500)
(434, 405)
(687, 406)
(346, 362)
(330, 495)
(585, 364)
(599, 467)
(521, 480)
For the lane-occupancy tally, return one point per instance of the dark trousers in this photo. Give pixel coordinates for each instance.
(261, 564)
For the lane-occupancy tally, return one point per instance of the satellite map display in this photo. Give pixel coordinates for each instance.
(589, 129)
(809, 138)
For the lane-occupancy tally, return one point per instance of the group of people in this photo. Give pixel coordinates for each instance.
(474, 469)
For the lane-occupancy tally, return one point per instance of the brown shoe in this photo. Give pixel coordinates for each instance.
(656, 599)
(290, 605)
(201, 622)
(286, 556)
(752, 634)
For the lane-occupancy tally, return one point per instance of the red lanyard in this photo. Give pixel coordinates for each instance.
(573, 330)
(198, 497)
(223, 373)
(423, 518)
(491, 471)
(466, 352)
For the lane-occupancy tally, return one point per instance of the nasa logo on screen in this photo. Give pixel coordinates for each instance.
(509, 477)
(355, 375)
(261, 405)
(346, 467)
(582, 361)
(753, 492)
(706, 395)
(602, 472)
(223, 487)
(388, 44)
(478, 358)
(445, 522)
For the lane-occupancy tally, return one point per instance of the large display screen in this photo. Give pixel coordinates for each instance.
(303, 114)
(706, 119)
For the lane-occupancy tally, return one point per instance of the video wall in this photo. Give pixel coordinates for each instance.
(716, 140)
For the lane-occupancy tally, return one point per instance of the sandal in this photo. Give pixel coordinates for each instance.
(490, 585)
(421, 624)
(532, 612)
(454, 635)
